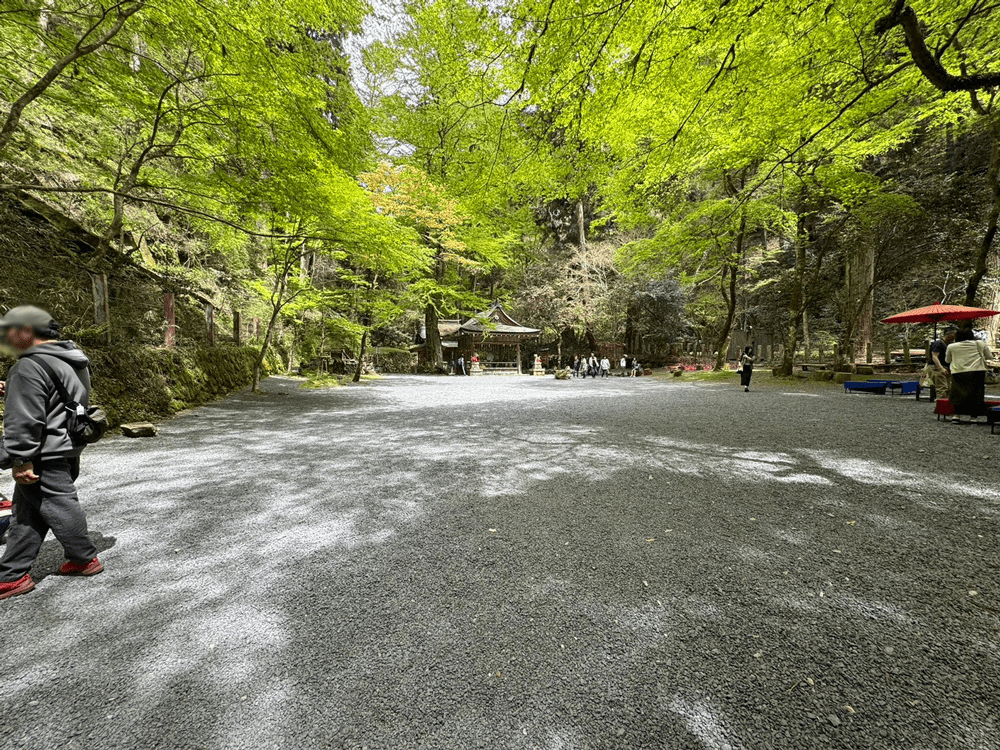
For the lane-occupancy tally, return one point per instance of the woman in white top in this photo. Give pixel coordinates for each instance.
(967, 361)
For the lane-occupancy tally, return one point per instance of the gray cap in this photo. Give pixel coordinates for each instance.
(26, 315)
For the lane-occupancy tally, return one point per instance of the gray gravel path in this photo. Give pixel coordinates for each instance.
(524, 563)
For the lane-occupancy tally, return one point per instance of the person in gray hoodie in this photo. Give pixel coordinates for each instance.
(37, 447)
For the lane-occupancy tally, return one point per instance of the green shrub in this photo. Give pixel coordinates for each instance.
(391, 360)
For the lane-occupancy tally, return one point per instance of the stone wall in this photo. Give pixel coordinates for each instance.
(142, 383)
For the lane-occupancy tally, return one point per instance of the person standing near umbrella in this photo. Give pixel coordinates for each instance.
(967, 359)
(937, 368)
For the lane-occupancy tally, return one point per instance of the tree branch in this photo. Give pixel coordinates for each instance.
(903, 15)
(124, 11)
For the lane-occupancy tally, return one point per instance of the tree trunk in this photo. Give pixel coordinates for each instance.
(806, 343)
(993, 180)
(278, 301)
(631, 337)
(861, 296)
(258, 366)
(722, 345)
(866, 320)
(993, 326)
(170, 320)
(797, 303)
(433, 344)
(361, 357)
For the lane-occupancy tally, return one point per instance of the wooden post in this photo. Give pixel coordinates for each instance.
(518, 357)
(170, 334)
(888, 355)
(770, 352)
(99, 282)
(819, 353)
(102, 311)
(906, 351)
(210, 324)
(236, 327)
(868, 352)
(836, 353)
(851, 353)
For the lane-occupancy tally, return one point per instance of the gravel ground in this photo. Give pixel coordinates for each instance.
(524, 563)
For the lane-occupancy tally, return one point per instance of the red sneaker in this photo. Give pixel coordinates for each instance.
(70, 568)
(15, 588)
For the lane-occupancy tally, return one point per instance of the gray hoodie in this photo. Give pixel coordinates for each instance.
(34, 421)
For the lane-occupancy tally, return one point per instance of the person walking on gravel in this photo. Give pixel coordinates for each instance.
(39, 450)
(746, 367)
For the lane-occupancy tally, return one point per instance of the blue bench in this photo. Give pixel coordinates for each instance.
(992, 417)
(906, 387)
(867, 386)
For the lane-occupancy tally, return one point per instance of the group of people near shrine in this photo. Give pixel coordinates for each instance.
(594, 367)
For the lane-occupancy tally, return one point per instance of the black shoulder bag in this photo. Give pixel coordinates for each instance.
(84, 424)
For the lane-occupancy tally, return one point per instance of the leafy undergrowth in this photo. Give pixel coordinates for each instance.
(334, 381)
(324, 381)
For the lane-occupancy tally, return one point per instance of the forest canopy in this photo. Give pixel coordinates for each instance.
(632, 172)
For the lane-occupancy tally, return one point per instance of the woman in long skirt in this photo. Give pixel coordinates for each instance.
(967, 358)
(746, 367)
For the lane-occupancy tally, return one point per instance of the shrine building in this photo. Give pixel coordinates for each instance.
(500, 341)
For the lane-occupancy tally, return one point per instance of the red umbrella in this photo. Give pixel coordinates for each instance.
(938, 312)
(934, 313)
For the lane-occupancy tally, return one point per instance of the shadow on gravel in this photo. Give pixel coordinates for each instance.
(414, 564)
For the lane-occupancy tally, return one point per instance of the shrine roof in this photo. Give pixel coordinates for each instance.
(448, 327)
(501, 323)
